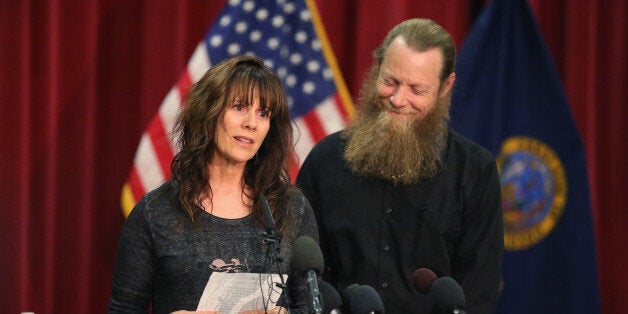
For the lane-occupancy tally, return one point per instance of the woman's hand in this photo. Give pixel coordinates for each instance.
(197, 312)
(276, 310)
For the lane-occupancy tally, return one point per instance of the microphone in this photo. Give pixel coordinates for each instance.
(272, 239)
(446, 293)
(363, 299)
(331, 298)
(269, 222)
(422, 280)
(307, 259)
(448, 296)
(271, 236)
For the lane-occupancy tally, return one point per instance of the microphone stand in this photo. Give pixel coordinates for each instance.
(272, 239)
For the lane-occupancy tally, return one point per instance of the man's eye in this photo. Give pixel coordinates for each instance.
(390, 82)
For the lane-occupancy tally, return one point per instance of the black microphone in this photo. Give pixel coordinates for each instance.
(271, 234)
(363, 299)
(330, 297)
(307, 259)
(448, 296)
(269, 222)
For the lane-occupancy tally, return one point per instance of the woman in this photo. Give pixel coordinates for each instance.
(234, 136)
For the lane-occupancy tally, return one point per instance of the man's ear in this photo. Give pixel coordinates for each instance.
(448, 85)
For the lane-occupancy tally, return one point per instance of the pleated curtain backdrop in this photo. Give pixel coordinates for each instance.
(80, 80)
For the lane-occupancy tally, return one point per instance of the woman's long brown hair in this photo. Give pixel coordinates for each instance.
(267, 173)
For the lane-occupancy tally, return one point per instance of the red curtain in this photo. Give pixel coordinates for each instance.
(80, 81)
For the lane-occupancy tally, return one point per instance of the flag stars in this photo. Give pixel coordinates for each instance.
(296, 58)
(284, 52)
(261, 14)
(248, 6)
(215, 41)
(313, 66)
(305, 15)
(255, 36)
(277, 21)
(289, 8)
(327, 74)
(225, 21)
(291, 80)
(301, 37)
(241, 27)
(316, 45)
(273, 43)
(292, 51)
(308, 87)
(233, 49)
(286, 29)
(282, 72)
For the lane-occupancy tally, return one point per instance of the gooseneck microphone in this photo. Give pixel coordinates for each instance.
(272, 238)
(269, 222)
(307, 259)
(363, 299)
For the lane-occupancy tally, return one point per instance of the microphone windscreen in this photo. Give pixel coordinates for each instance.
(447, 294)
(422, 280)
(346, 293)
(269, 222)
(306, 255)
(331, 297)
(364, 299)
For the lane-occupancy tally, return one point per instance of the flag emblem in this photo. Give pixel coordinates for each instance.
(534, 191)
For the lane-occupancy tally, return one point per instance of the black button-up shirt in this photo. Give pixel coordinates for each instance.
(376, 233)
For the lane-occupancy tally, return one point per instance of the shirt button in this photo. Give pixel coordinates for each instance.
(384, 285)
(388, 210)
(386, 248)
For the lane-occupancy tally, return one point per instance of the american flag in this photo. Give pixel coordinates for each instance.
(289, 36)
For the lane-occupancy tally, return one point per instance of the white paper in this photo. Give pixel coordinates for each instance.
(236, 292)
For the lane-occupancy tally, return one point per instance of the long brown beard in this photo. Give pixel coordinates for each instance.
(402, 151)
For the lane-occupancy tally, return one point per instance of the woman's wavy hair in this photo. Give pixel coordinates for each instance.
(242, 77)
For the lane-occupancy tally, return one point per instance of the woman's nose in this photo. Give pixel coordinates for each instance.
(250, 121)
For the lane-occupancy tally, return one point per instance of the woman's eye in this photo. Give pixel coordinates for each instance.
(238, 107)
(264, 113)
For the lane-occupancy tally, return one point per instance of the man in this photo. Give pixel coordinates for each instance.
(398, 190)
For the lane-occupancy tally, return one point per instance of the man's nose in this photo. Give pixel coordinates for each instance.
(399, 98)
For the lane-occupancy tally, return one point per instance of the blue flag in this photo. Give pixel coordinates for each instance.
(509, 98)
